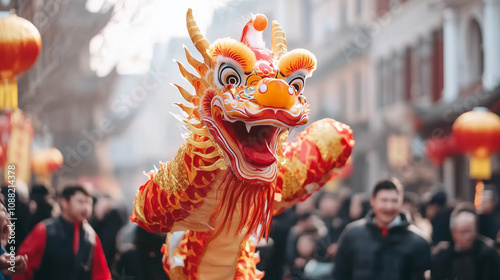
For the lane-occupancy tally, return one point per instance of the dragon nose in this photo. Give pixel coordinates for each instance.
(275, 93)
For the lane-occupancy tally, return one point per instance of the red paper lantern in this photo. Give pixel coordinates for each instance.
(20, 45)
(478, 132)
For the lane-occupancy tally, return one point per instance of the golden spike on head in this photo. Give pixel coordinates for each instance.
(199, 84)
(185, 94)
(278, 40)
(200, 67)
(200, 42)
(188, 110)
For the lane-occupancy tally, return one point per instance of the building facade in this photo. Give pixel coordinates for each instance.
(399, 73)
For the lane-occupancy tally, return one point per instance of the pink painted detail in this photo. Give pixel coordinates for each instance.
(265, 69)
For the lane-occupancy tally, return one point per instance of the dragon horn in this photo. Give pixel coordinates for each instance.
(200, 42)
(278, 40)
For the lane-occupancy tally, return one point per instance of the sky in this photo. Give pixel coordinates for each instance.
(136, 25)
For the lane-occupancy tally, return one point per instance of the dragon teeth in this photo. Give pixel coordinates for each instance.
(248, 126)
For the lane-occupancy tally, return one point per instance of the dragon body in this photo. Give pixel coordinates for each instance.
(217, 196)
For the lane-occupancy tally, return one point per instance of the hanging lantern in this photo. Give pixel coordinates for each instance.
(477, 132)
(20, 44)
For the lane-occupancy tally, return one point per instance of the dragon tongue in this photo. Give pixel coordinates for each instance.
(252, 141)
(259, 154)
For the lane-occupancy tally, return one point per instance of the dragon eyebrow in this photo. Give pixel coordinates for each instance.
(295, 60)
(235, 50)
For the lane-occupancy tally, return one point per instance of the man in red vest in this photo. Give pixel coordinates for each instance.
(65, 247)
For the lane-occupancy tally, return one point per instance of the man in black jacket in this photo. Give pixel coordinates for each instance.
(470, 256)
(383, 245)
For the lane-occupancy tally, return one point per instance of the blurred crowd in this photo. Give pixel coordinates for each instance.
(128, 252)
(303, 241)
(306, 237)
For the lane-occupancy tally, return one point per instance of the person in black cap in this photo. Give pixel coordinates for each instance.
(438, 214)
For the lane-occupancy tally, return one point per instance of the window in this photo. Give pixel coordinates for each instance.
(387, 85)
(474, 53)
(396, 78)
(358, 94)
(437, 65)
(425, 71)
(408, 76)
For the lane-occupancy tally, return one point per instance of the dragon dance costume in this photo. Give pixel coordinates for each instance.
(217, 196)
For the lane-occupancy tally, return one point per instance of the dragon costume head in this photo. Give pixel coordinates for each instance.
(247, 97)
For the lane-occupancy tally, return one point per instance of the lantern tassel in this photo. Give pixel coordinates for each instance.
(478, 197)
(480, 167)
(8, 93)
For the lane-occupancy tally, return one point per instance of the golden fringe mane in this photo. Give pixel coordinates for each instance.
(252, 201)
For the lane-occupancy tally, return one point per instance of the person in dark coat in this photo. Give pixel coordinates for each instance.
(41, 204)
(469, 256)
(383, 245)
(141, 260)
(21, 213)
(7, 268)
(107, 221)
(438, 213)
(489, 215)
(280, 226)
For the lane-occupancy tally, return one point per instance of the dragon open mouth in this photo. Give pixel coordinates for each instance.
(257, 143)
(249, 133)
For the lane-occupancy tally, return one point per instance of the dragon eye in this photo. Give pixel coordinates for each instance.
(229, 75)
(297, 82)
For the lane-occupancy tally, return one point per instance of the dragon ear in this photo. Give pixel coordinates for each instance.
(200, 42)
(278, 40)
